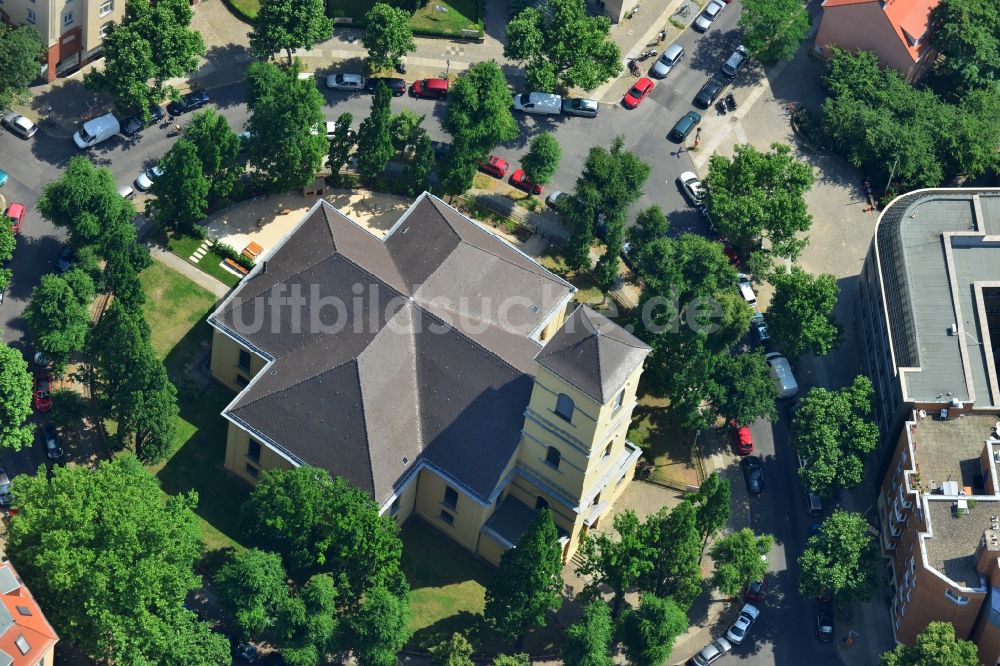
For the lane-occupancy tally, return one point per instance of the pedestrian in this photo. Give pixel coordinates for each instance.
(663, 36)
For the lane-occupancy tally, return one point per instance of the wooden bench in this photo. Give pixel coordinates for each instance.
(236, 267)
(252, 251)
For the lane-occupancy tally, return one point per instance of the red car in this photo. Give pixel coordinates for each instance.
(741, 438)
(520, 180)
(734, 257)
(638, 93)
(15, 212)
(754, 591)
(43, 393)
(430, 88)
(494, 166)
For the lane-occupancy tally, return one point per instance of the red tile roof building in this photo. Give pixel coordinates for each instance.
(26, 637)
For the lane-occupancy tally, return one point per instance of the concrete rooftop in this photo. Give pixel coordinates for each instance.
(952, 549)
(950, 450)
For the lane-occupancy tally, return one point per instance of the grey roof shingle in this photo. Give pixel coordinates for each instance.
(420, 364)
(593, 353)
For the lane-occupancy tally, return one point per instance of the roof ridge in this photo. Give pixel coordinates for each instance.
(364, 419)
(303, 380)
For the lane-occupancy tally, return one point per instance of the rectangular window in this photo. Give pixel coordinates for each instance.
(450, 498)
(620, 399)
(242, 381)
(957, 598)
(253, 451)
(607, 449)
(394, 508)
(107, 7)
(253, 471)
(68, 18)
(447, 517)
(30, 16)
(244, 362)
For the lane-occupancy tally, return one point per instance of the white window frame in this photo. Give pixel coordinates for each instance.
(67, 19)
(106, 8)
(956, 598)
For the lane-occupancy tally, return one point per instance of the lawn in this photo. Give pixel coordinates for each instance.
(176, 309)
(184, 247)
(459, 14)
(665, 443)
(246, 9)
(587, 290)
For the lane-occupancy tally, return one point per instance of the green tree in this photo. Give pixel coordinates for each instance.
(800, 319)
(287, 25)
(458, 167)
(841, 561)
(612, 179)
(937, 645)
(15, 400)
(284, 112)
(84, 200)
(672, 538)
(588, 640)
(146, 409)
(118, 340)
(379, 629)
(580, 217)
(833, 431)
(519, 659)
(253, 585)
(305, 626)
(773, 29)
(59, 314)
(314, 520)
(744, 388)
(125, 258)
(527, 586)
(740, 559)
(419, 171)
(755, 196)
(618, 564)
(542, 159)
(650, 225)
(218, 149)
(478, 114)
(967, 34)
(455, 651)
(388, 36)
(128, 68)
(21, 49)
(8, 241)
(374, 138)
(108, 538)
(562, 45)
(181, 193)
(404, 127)
(341, 145)
(649, 631)
(712, 505)
(606, 270)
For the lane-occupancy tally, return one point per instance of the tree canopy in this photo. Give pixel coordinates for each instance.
(649, 631)
(341, 146)
(59, 314)
(15, 400)
(800, 319)
(673, 551)
(218, 149)
(388, 36)
(588, 640)
(561, 46)
(756, 196)
(306, 628)
(146, 409)
(620, 563)
(542, 158)
(21, 49)
(967, 34)
(455, 651)
(711, 505)
(287, 25)
(841, 561)
(375, 147)
(84, 200)
(380, 628)
(107, 539)
(739, 560)
(936, 645)
(773, 29)
(181, 193)
(478, 114)
(833, 431)
(744, 389)
(252, 585)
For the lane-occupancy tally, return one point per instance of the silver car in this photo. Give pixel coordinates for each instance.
(735, 61)
(667, 61)
(20, 125)
(712, 11)
(712, 652)
(345, 81)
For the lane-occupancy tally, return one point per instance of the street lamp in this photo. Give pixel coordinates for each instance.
(448, 70)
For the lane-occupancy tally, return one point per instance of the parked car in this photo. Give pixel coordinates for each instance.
(638, 92)
(190, 102)
(41, 360)
(709, 92)
(430, 88)
(440, 148)
(520, 180)
(15, 212)
(53, 448)
(711, 652)
(126, 191)
(6, 498)
(345, 81)
(555, 199)
(746, 290)
(781, 372)
(738, 631)
(575, 106)
(735, 62)
(742, 439)
(65, 260)
(824, 620)
(711, 12)
(247, 652)
(20, 125)
(495, 166)
(540, 103)
(691, 187)
(759, 326)
(672, 55)
(43, 392)
(144, 181)
(753, 474)
(754, 591)
(3, 177)
(135, 123)
(396, 86)
(684, 126)
(329, 129)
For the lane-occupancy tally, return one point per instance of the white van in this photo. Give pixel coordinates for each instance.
(538, 102)
(781, 371)
(97, 130)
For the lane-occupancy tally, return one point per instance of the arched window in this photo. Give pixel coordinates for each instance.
(541, 503)
(106, 29)
(552, 457)
(564, 407)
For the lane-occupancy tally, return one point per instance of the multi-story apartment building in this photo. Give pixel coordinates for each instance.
(72, 31)
(438, 368)
(26, 637)
(929, 311)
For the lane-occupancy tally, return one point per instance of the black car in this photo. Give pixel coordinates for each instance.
(396, 86)
(709, 92)
(135, 124)
(824, 620)
(53, 447)
(193, 100)
(754, 474)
